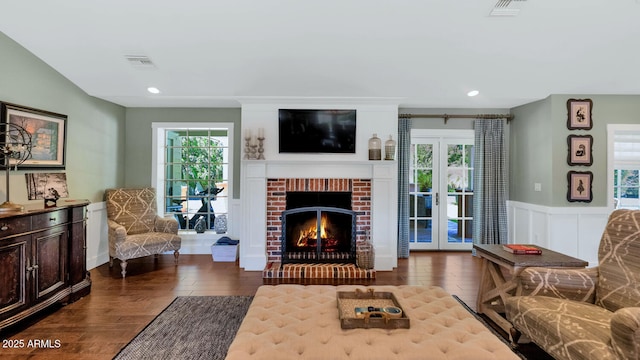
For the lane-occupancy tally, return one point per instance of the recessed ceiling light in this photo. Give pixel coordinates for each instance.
(473, 93)
(153, 90)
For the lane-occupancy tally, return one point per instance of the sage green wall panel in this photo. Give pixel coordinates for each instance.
(139, 137)
(531, 153)
(539, 147)
(95, 128)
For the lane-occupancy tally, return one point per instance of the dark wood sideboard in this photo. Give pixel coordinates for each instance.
(42, 258)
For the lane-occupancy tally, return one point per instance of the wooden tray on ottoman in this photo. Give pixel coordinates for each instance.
(349, 300)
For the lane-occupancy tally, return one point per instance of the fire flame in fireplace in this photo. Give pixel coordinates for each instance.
(309, 235)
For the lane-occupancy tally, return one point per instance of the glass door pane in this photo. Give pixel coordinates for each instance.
(421, 194)
(459, 189)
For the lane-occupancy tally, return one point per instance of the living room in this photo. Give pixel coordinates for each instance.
(110, 145)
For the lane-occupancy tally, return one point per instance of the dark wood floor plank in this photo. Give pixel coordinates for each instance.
(99, 325)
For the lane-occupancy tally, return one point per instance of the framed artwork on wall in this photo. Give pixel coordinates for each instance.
(580, 150)
(580, 186)
(46, 185)
(579, 114)
(48, 135)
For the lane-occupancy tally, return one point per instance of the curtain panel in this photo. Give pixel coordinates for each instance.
(490, 183)
(404, 155)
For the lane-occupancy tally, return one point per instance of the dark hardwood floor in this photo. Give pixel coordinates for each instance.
(99, 325)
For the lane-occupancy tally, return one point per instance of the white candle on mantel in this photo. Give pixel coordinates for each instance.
(260, 133)
(247, 133)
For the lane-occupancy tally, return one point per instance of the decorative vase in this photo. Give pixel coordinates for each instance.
(390, 149)
(375, 148)
(200, 225)
(220, 224)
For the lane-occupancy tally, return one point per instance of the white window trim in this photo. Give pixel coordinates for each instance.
(419, 136)
(158, 145)
(611, 165)
(612, 129)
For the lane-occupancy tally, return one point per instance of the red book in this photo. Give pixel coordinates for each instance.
(519, 249)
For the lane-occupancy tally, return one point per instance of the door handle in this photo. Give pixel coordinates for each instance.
(437, 199)
(29, 269)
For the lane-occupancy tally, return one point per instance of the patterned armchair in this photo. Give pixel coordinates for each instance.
(134, 228)
(586, 313)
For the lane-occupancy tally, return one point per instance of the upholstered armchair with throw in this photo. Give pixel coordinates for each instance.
(134, 227)
(584, 314)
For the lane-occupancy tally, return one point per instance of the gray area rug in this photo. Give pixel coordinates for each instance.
(191, 327)
(524, 351)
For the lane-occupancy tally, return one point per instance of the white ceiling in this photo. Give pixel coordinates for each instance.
(425, 53)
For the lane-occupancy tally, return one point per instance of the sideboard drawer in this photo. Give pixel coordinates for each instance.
(43, 221)
(14, 226)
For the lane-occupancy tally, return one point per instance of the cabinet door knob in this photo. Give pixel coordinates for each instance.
(4, 227)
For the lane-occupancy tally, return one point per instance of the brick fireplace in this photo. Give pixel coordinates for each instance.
(277, 189)
(265, 184)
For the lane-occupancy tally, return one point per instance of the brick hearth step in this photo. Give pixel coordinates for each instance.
(316, 271)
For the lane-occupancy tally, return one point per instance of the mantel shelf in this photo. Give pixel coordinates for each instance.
(320, 162)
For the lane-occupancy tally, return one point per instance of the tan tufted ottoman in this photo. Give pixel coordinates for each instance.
(301, 322)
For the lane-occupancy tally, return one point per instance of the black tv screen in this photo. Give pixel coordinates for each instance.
(317, 131)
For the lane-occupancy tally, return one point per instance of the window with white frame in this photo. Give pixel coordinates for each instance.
(626, 186)
(193, 173)
(626, 165)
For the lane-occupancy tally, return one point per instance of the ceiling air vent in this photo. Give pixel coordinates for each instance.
(140, 61)
(506, 8)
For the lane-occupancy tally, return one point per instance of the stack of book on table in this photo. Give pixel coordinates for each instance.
(520, 249)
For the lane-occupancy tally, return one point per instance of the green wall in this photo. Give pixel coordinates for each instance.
(539, 149)
(139, 136)
(531, 153)
(95, 128)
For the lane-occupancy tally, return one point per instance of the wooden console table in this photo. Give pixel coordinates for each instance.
(42, 258)
(495, 288)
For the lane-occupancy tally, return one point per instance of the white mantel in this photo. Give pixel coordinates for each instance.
(378, 116)
(383, 175)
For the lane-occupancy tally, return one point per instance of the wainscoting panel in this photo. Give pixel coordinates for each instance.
(563, 233)
(97, 241)
(591, 228)
(519, 227)
(574, 231)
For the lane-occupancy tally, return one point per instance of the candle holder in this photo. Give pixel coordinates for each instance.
(247, 147)
(261, 148)
(254, 152)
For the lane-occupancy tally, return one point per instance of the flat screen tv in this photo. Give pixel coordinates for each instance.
(317, 131)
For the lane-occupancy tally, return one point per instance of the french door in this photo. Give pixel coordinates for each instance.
(441, 190)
